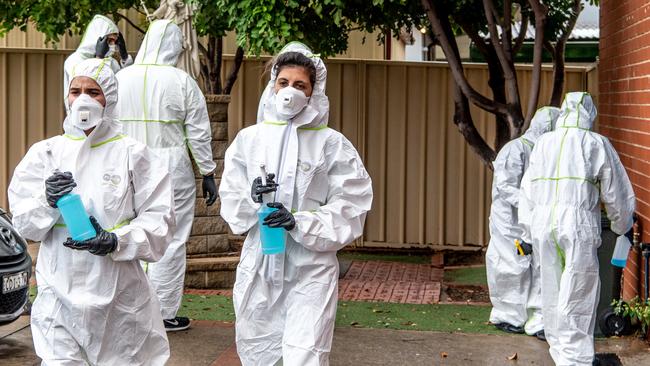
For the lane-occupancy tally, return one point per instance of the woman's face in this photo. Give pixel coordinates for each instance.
(85, 85)
(112, 38)
(295, 76)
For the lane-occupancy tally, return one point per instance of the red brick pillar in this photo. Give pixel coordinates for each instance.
(624, 107)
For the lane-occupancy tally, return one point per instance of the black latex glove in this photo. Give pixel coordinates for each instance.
(280, 218)
(209, 189)
(101, 47)
(257, 189)
(121, 46)
(58, 185)
(102, 244)
(523, 248)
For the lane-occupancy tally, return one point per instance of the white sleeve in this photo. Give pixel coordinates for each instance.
(32, 217)
(197, 128)
(341, 219)
(508, 171)
(526, 202)
(147, 236)
(616, 191)
(237, 207)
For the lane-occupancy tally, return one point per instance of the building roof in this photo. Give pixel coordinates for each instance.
(586, 28)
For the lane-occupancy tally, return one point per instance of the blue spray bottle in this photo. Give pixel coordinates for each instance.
(273, 239)
(73, 212)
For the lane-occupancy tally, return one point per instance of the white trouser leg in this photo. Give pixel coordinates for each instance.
(167, 276)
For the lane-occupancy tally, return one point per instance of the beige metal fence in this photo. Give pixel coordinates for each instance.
(430, 189)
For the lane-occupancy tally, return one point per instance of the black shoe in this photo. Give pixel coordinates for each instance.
(540, 335)
(509, 328)
(176, 324)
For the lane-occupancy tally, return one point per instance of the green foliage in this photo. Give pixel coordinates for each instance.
(636, 310)
(324, 25)
(57, 17)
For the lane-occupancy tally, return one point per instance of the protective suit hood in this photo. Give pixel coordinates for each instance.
(316, 114)
(543, 121)
(98, 27)
(578, 111)
(100, 71)
(162, 45)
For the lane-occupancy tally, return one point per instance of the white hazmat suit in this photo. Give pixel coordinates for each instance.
(163, 107)
(572, 170)
(98, 27)
(513, 279)
(286, 304)
(96, 308)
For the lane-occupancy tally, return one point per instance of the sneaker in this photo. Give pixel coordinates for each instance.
(509, 328)
(540, 335)
(176, 324)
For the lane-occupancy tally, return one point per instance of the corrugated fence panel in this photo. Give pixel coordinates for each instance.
(430, 188)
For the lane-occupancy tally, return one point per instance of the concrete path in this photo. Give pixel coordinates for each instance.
(210, 343)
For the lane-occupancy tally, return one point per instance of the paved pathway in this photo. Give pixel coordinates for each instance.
(211, 343)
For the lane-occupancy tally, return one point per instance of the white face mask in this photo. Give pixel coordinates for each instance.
(86, 112)
(290, 101)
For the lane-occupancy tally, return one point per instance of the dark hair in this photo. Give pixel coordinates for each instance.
(295, 59)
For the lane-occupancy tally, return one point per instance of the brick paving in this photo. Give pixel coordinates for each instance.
(404, 283)
(380, 281)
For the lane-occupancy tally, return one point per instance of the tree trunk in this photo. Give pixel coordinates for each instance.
(234, 72)
(465, 124)
(558, 75)
(219, 56)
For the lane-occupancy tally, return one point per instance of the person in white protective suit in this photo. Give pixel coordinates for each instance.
(163, 107)
(285, 304)
(94, 301)
(572, 171)
(513, 278)
(101, 39)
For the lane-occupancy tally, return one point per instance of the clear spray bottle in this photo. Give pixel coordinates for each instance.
(273, 239)
(73, 212)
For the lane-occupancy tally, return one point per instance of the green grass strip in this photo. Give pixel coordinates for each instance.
(417, 259)
(466, 276)
(441, 318)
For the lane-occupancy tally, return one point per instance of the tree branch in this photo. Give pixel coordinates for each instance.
(234, 72)
(519, 41)
(130, 22)
(540, 11)
(442, 32)
(558, 55)
(507, 65)
(205, 72)
(474, 35)
(506, 35)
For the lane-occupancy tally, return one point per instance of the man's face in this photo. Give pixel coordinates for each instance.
(85, 85)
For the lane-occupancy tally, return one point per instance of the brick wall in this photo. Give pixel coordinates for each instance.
(624, 105)
(209, 235)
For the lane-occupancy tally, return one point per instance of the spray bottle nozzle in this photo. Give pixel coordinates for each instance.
(50, 156)
(263, 173)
